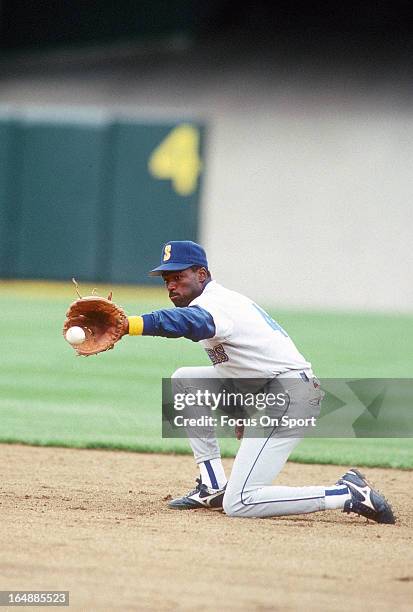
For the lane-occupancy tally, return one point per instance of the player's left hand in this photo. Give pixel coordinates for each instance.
(103, 322)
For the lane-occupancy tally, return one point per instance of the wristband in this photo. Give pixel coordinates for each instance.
(135, 326)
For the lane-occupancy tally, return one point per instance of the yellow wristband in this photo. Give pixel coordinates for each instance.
(135, 326)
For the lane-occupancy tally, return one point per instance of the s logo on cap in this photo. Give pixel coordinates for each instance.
(179, 255)
(167, 252)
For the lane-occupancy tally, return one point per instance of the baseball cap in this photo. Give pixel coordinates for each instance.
(179, 255)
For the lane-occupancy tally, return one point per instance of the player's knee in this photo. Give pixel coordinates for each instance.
(232, 504)
(183, 373)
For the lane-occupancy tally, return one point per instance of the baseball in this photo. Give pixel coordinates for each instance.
(75, 335)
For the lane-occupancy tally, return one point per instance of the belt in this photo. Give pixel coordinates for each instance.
(303, 374)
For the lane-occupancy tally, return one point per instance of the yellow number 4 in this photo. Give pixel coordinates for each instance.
(177, 158)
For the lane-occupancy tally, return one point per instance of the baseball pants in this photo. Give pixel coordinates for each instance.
(259, 460)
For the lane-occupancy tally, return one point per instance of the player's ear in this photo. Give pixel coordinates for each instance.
(202, 274)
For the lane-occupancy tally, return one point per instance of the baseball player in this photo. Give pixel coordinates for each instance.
(244, 342)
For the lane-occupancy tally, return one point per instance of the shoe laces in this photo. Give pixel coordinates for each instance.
(198, 487)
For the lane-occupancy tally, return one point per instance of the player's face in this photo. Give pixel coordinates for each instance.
(185, 285)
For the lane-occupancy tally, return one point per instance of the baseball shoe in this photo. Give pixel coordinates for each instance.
(365, 501)
(200, 497)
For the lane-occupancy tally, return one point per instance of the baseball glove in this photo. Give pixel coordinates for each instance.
(102, 320)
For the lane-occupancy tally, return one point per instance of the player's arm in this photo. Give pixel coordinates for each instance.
(192, 322)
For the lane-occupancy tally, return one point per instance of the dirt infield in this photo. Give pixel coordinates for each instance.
(96, 523)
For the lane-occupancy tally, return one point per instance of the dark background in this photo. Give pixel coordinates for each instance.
(319, 25)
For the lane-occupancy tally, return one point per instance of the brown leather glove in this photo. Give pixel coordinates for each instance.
(103, 322)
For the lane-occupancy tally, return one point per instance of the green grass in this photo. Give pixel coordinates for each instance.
(50, 397)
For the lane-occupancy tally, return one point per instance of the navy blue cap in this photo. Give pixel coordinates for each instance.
(179, 255)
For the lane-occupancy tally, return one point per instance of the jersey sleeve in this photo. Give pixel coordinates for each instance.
(191, 322)
(223, 323)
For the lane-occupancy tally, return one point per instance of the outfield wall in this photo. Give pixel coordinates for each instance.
(306, 197)
(79, 194)
(312, 208)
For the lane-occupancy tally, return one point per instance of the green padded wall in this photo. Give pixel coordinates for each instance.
(95, 199)
(61, 175)
(10, 155)
(4, 196)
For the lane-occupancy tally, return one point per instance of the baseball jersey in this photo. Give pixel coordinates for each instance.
(240, 338)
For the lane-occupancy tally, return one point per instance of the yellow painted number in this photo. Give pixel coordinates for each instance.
(177, 158)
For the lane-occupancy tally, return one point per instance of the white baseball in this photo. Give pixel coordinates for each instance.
(75, 335)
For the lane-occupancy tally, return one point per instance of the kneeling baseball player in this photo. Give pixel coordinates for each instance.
(243, 342)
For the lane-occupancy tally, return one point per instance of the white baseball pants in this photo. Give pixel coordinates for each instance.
(250, 492)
